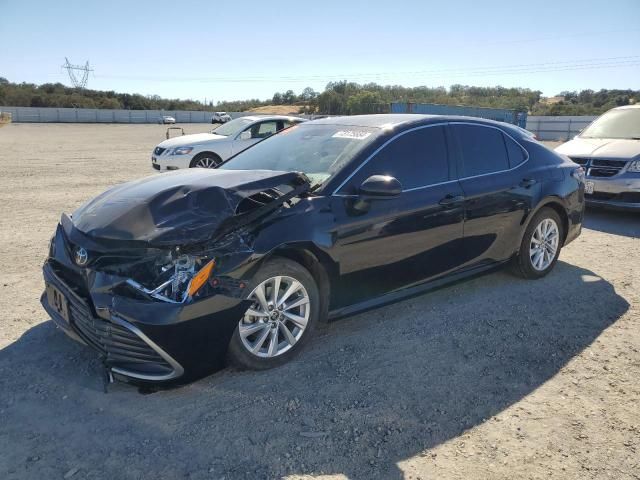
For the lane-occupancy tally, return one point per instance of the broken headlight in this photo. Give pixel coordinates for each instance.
(178, 277)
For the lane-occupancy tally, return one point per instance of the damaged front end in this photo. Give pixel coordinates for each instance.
(152, 274)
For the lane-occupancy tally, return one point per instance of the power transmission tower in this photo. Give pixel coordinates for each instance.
(78, 81)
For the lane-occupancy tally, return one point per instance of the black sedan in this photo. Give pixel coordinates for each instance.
(171, 276)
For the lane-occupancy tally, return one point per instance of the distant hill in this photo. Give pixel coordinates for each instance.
(276, 109)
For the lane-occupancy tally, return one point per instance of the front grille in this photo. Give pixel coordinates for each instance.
(71, 278)
(121, 347)
(159, 150)
(596, 167)
(156, 166)
(605, 168)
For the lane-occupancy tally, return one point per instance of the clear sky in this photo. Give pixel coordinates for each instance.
(237, 49)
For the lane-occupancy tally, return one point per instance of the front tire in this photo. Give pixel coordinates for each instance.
(205, 160)
(541, 245)
(282, 318)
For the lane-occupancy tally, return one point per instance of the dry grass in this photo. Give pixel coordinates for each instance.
(276, 110)
(5, 119)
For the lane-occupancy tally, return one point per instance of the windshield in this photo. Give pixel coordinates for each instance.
(319, 151)
(232, 127)
(623, 123)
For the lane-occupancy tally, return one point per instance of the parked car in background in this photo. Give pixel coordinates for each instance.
(220, 117)
(609, 151)
(166, 120)
(168, 276)
(208, 150)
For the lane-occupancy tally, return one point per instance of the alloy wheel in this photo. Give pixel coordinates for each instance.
(544, 244)
(277, 317)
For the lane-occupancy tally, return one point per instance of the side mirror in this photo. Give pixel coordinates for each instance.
(246, 135)
(380, 187)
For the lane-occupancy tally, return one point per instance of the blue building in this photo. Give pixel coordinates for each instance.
(498, 114)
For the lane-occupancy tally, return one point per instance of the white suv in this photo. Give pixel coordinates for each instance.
(208, 150)
(220, 117)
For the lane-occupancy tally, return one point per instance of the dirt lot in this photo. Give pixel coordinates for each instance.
(495, 378)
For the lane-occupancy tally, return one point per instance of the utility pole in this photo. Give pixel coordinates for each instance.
(78, 81)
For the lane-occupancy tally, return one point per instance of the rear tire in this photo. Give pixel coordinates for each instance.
(541, 245)
(205, 160)
(276, 328)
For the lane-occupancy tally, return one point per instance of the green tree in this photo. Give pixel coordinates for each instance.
(365, 102)
(289, 97)
(308, 94)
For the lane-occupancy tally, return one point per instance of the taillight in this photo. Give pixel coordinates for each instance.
(578, 174)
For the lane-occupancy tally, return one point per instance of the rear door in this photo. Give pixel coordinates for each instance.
(498, 191)
(405, 240)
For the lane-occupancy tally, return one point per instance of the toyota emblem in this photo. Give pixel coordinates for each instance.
(82, 257)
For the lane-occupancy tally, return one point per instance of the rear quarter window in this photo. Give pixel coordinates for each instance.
(517, 154)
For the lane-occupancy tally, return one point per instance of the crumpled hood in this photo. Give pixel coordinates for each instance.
(622, 149)
(195, 139)
(177, 208)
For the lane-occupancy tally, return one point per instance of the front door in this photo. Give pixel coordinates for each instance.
(395, 243)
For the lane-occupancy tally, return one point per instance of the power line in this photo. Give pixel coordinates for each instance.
(523, 68)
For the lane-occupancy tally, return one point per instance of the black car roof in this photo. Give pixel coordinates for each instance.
(390, 120)
(379, 121)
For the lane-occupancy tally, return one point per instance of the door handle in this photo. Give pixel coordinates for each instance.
(528, 182)
(451, 199)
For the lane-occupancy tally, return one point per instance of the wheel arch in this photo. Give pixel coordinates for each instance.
(199, 155)
(322, 268)
(554, 202)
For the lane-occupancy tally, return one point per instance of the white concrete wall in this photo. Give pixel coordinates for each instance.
(96, 115)
(545, 127)
(558, 128)
(93, 115)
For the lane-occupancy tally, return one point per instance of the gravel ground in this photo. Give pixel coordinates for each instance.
(494, 378)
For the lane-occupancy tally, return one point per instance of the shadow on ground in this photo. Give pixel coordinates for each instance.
(371, 391)
(610, 221)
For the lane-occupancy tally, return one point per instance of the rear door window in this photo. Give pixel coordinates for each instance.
(483, 149)
(416, 159)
